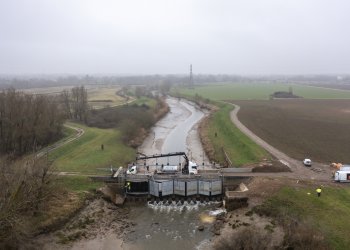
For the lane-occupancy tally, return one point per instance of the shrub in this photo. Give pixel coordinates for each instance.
(249, 238)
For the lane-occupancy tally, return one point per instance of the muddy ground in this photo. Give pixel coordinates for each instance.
(99, 225)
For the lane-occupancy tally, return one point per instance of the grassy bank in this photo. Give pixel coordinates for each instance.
(218, 134)
(222, 134)
(85, 155)
(329, 214)
(78, 184)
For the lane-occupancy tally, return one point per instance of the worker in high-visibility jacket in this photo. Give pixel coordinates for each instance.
(318, 191)
(128, 186)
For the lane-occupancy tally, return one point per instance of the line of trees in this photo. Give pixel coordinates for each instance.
(75, 103)
(28, 122)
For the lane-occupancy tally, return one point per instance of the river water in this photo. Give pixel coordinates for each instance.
(176, 132)
(173, 225)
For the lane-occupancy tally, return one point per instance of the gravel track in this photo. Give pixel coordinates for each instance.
(57, 145)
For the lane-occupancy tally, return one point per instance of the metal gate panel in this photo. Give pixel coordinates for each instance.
(179, 187)
(154, 188)
(216, 187)
(204, 188)
(192, 187)
(167, 187)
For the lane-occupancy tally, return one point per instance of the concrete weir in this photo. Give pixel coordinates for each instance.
(176, 187)
(144, 187)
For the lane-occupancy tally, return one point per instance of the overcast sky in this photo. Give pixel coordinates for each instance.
(162, 36)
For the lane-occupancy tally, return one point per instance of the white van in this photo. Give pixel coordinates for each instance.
(307, 162)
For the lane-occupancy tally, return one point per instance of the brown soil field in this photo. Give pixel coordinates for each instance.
(318, 129)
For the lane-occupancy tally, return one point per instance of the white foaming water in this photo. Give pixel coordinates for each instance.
(167, 206)
(217, 212)
(204, 245)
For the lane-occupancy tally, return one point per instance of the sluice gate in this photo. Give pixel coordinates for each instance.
(174, 185)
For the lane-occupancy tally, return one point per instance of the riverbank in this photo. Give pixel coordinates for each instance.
(223, 142)
(99, 225)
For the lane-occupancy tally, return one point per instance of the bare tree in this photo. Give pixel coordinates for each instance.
(66, 101)
(79, 100)
(24, 185)
(28, 121)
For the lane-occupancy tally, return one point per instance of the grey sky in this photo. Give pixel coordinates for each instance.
(162, 36)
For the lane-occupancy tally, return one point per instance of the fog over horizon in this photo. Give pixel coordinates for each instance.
(259, 37)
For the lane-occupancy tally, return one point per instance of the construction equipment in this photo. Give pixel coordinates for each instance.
(188, 168)
(336, 165)
(132, 170)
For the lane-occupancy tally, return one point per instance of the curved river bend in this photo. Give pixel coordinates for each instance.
(177, 131)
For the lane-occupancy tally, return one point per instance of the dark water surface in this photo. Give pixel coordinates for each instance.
(171, 225)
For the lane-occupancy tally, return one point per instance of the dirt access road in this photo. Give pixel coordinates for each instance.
(318, 171)
(79, 133)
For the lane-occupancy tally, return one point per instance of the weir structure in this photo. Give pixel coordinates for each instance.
(173, 185)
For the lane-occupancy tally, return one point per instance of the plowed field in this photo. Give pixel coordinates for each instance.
(319, 129)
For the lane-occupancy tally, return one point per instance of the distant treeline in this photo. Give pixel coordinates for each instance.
(28, 122)
(35, 82)
(157, 80)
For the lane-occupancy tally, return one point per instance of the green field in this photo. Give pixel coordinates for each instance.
(239, 148)
(85, 156)
(330, 214)
(259, 91)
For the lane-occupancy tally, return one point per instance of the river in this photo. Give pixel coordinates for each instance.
(168, 225)
(177, 132)
(173, 225)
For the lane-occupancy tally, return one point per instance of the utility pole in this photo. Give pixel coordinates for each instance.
(191, 78)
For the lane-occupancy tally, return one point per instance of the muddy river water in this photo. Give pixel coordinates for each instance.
(177, 131)
(172, 225)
